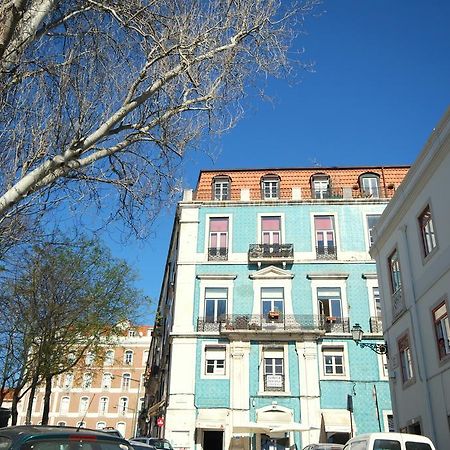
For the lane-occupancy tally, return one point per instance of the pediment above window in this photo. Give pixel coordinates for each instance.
(272, 272)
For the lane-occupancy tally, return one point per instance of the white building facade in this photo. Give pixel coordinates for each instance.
(412, 249)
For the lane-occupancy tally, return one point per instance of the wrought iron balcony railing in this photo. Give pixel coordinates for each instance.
(376, 325)
(217, 253)
(271, 252)
(398, 303)
(274, 383)
(326, 252)
(327, 193)
(265, 322)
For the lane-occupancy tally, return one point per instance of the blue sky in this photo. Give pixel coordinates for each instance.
(380, 85)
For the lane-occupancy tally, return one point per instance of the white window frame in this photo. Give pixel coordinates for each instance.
(260, 216)
(220, 182)
(273, 185)
(383, 366)
(387, 413)
(265, 349)
(218, 234)
(443, 323)
(66, 409)
(336, 235)
(68, 380)
(89, 359)
(106, 380)
(216, 282)
(214, 376)
(101, 425)
(61, 423)
(230, 235)
(320, 184)
(122, 406)
(406, 360)
(336, 347)
(126, 359)
(101, 410)
(329, 281)
(367, 229)
(428, 238)
(87, 380)
(126, 381)
(219, 348)
(370, 190)
(109, 360)
(84, 400)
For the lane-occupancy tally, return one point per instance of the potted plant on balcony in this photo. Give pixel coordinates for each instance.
(274, 315)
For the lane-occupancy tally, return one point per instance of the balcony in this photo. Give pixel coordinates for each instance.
(274, 383)
(271, 253)
(217, 254)
(376, 325)
(326, 252)
(268, 323)
(327, 193)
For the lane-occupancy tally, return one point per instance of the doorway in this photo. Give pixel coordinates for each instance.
(212, 440)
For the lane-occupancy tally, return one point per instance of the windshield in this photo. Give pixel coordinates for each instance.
(5, 443)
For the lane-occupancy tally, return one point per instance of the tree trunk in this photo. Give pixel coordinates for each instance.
(31, 400)
(15, 401)
(48, 393)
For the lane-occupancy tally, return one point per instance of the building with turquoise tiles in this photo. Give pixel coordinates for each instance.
(267, 273)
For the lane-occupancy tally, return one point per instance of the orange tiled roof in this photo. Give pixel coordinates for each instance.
(340, 177)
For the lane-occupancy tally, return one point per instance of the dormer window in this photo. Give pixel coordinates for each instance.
(320, 185)
(370, 185)
(270, 187)
(221, 188)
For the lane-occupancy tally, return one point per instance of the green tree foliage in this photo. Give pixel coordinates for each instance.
(67, 299)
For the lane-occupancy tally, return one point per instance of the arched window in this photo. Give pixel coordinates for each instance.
(270, 187)
(369, 183)
(121, 428)
(103, 405)
(126, 378)
(109, 358)
(68, 380)
(81, 424)
(320, 185)
(221, 187)
(89, 360)
(106, 380)
(100, 425)
(128, 357)
(64, 405)
(84, 404)
(87, 380)
(123, 405)
(61, 424)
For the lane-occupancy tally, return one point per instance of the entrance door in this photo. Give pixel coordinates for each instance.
(212, 440)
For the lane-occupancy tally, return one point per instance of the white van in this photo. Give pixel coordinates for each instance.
(389, 441)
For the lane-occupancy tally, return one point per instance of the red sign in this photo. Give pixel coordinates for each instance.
(160, 421)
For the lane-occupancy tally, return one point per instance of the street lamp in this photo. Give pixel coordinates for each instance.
(357, 335)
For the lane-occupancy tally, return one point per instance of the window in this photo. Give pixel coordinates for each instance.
(126, 378)
(123, 405)
(272, 302)
(106, 380)
(128, 357)
(427, 231)
(384, 366)
(370, 185)
(84, 404)
(442, 327)
(218, 238)
(68, 381)
(64, 405)
(89, 360)
(325, 239)
(320, 186)
(132, 333)
(144, 357)
(405, 359)
(100, 425)
(61, 424)
(215, 304)
(215, 360)
(87, 381)
(330, 303)
(271, 230)
(221, 188)
(390, 423)
(333, 361)
(103, 405)
(372, 220)
(273, 369)
(377, 301)
(81, 424)
(270, 186)
(396, 283)
(109, 358)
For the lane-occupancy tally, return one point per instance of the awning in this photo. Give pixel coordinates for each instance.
(154, 408)
(251, 427)
(215, 419)
(293, 426)
(336, 420)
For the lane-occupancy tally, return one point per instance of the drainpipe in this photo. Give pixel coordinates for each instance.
(417, 339)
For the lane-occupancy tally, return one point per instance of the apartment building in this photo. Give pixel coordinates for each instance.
(101, 392)
(412, 250)
(267, 273)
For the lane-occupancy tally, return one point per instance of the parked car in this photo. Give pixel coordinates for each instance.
(390, 441)
(158, 443)
(323, 446)
(141, 446)
(41, 437)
